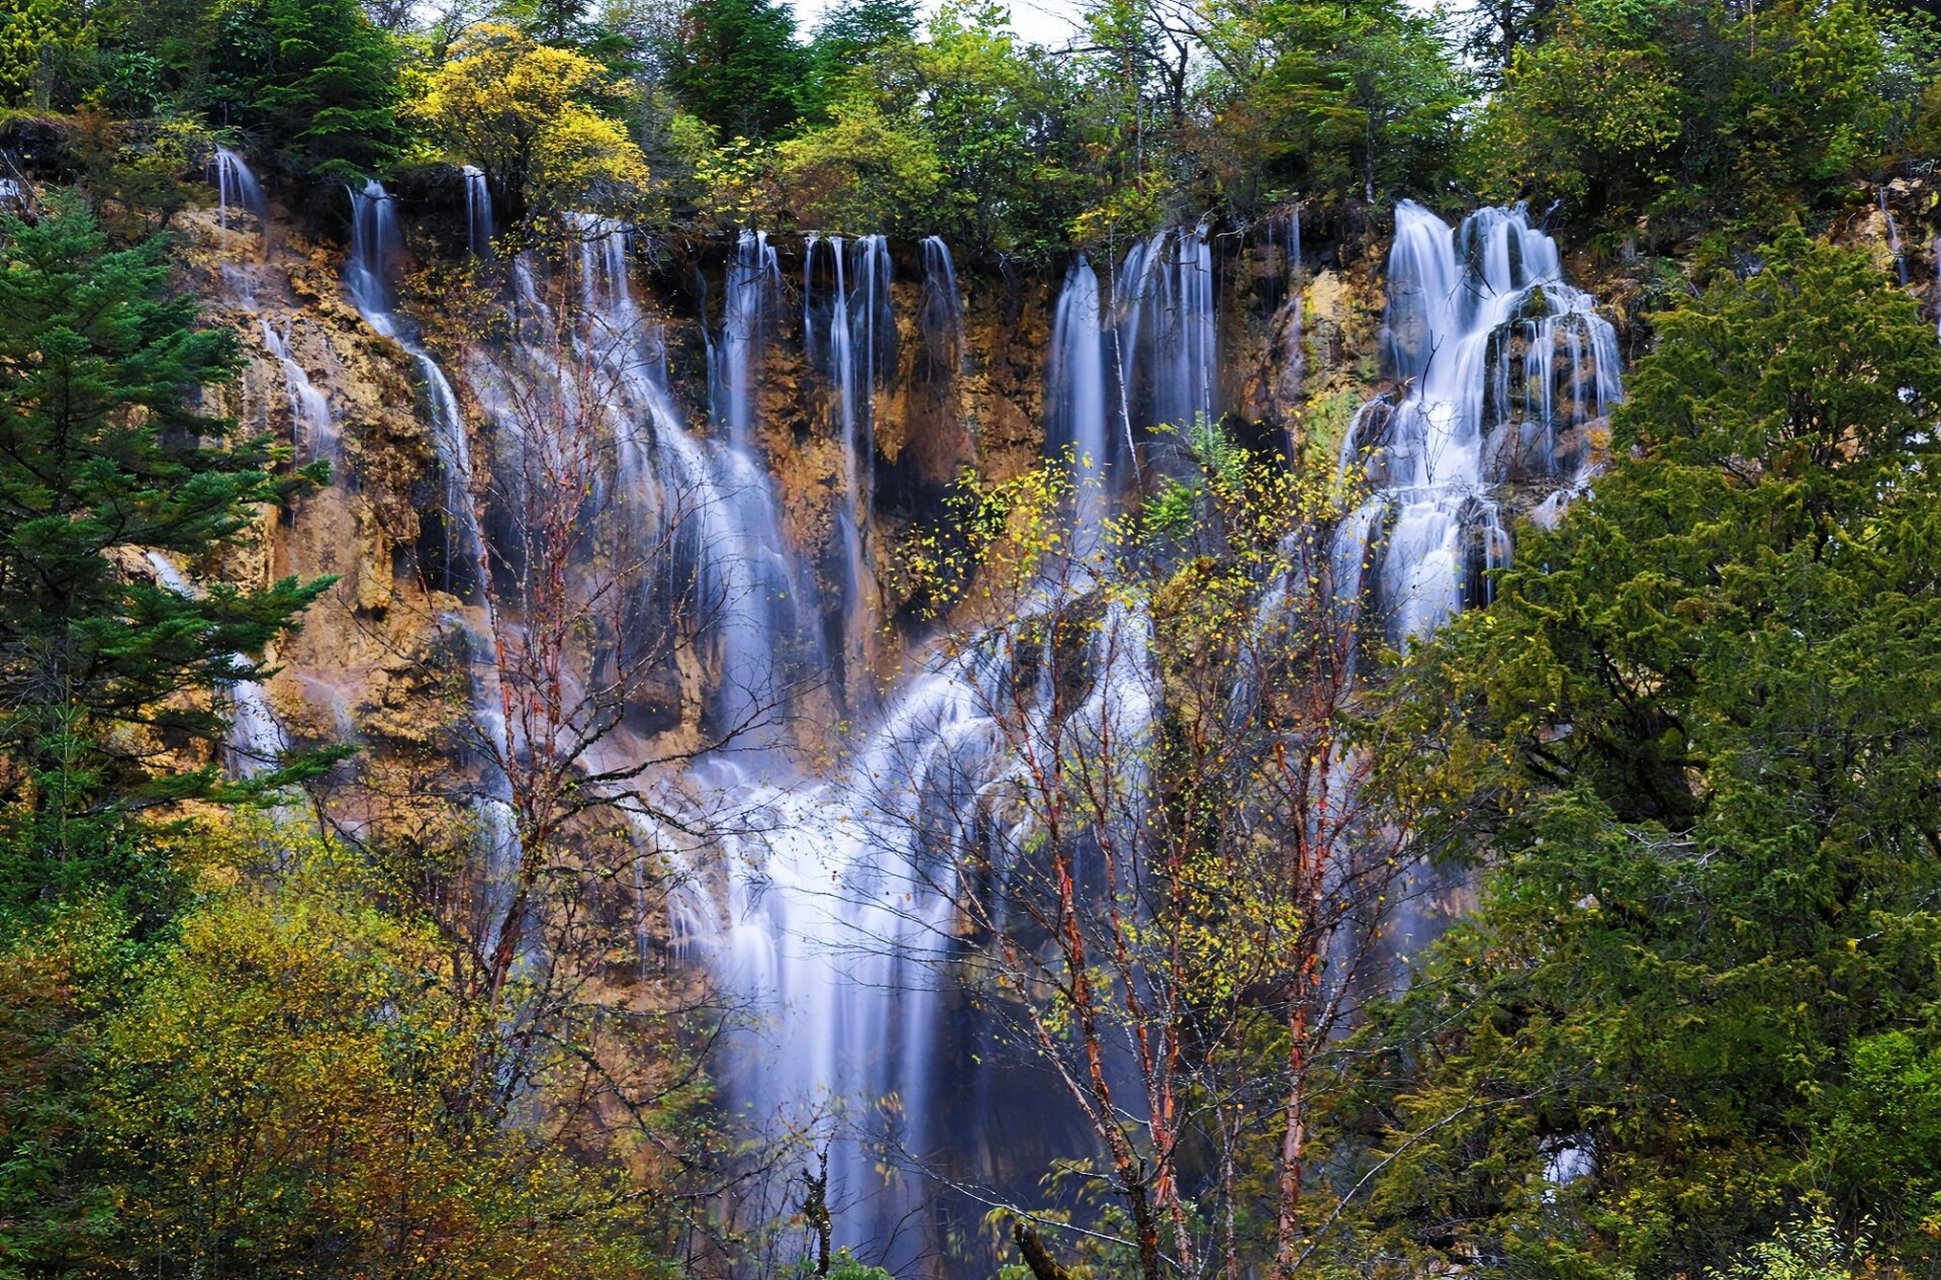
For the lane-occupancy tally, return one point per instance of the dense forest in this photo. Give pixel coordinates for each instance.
(648, 638)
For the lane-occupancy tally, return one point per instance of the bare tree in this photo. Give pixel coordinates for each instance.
(1166, 858)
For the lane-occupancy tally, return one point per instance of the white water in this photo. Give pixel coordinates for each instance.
(708, 496)
(941, 315)
(237, 190)
(478, 213)
(316, 425)
(826, 904)
(1165, 333)
(1893, 235)
(377, 256)
(850, 336)
(1076, 401)
(752, 291)
(1468, 308)
(256, 741)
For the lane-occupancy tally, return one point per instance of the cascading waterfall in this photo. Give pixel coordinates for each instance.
(941, 318)
(1164, 332)
(377, 255)
(1893, 235)
(1076, 411)
(838, 906)
(753, 288)
(709, 497)
(316, 425)
(237, 188)
(827, 904)
(478, 213)
(1495, 358)
(256, 740)
(850, 337)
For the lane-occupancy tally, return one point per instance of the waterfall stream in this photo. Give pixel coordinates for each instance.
(478, 213)
(237, 188)
(1496, 360)
(256, 739)
(824, 905)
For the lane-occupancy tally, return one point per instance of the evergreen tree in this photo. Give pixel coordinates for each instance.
(736, 65)
(1699, 997)
(320, 77)
(104, 456)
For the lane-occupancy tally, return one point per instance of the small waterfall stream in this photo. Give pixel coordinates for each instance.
(257, 743)
(478, 213)
(1495, 357)
(317, 430)
(849, 334)
(377, 255)
(237, 189)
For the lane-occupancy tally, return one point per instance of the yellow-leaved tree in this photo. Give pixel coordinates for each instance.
(529, 116)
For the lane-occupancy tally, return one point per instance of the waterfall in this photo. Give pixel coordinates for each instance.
(1076, 415)
(236, 187)
(837, 910)
(377, 255)
(478, 213)
(316, 425)
(1893, 235)
(752, 289)
(708, 497)
(256, 741)
(941, 318)
(1495, 359)
(850, 339)
(1164, 332)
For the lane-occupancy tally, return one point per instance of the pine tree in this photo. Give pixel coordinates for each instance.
(1702, 726)
(104, 457)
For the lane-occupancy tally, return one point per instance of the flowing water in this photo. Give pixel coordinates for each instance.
(316, 426)
(824, 905)
(237, 191)
(377, 258)
(256, 740)
(478, 213)
(1496, 359)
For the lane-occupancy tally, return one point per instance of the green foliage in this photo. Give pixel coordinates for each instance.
(859, 174)
(1698, 731)
(1602, 113)
(1811, 1248)
(320, 78)
(736, 64)
(34, 34)
(103, 456)
(1331, 100)
(287, 1081)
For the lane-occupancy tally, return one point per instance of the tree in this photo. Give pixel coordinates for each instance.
(1598, 114)
(1165, 878)
(736, 65)
(851, 37)
(104, 455)
(288, 1082)
(859, 175)
(520, 111)
(329, 94)
(1699, 726)
(32, 34)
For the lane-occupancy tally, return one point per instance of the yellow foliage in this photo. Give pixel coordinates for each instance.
(300, 1066)
(519, 111)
